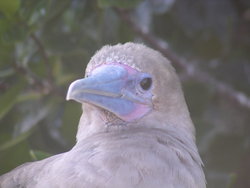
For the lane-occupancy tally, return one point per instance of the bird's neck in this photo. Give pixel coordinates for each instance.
(96, 121)
(91, 122)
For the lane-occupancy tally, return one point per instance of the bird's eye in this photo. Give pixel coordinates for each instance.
(146, 83)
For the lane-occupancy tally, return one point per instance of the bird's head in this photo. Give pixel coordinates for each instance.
(135, 84)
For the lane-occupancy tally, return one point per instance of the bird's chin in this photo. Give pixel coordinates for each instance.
(106, 116)
(138, 113)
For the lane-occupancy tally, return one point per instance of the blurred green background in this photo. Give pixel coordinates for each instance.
(46, 44)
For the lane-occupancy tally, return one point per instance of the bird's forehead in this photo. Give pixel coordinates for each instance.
(113, 55)
(95, 68)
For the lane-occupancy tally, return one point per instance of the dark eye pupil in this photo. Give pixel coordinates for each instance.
(146, 83)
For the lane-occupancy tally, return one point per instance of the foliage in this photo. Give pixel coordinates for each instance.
(46, 44)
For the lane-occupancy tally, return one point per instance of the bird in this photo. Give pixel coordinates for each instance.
(135, 130)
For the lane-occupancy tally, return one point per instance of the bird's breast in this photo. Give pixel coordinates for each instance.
(130, 160)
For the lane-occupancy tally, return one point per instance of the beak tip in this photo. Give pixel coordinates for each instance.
(69, 95)
(68, 98)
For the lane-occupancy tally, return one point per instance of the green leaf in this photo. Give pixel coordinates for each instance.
(9, 7)
(14, 156)
(6, 72)
(28, 96)
(38, 155)
(233, 179)
(71, 116)
(118, 3)
(8, 99)
(4, 26)
(29, 121)
(14, 141)
(60, 76)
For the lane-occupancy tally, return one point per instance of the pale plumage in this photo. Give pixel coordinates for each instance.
(135, 131)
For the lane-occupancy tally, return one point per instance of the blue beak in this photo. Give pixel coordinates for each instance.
(108, 88)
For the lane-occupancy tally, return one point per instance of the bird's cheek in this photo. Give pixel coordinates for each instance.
(138, 112)
(122, 108)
